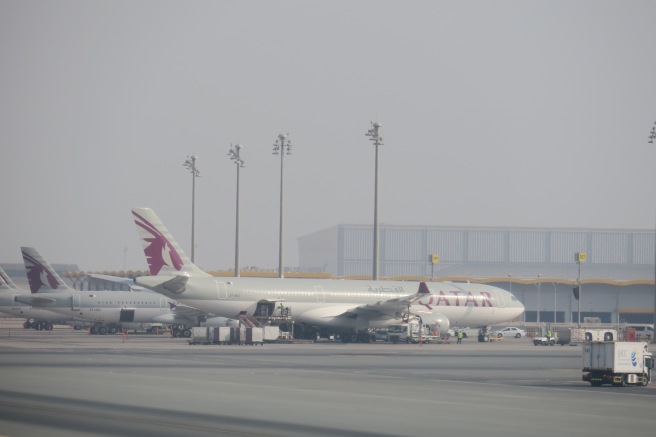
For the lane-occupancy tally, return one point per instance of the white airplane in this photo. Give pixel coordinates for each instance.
(346, 306)
(37, 318)
(108, 310)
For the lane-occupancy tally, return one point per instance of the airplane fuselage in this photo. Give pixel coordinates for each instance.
(9, 306)
(333, 302)
(106, 306)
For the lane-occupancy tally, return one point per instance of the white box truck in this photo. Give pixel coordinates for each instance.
(617, 363)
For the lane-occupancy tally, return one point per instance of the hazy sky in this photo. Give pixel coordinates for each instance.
(504, 113)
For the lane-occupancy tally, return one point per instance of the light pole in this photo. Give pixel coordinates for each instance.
(555, 310)
(234, 155)
(190, 164)
(652, 137)
(539, 275)
(377, 140)
(579, 257)
(279, 146)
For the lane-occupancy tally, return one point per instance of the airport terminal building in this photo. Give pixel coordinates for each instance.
(537, 264)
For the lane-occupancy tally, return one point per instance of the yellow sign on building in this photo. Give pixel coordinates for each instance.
(435, 258)
(580, 257)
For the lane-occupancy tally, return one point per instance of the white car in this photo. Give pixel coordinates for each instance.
(510, 331)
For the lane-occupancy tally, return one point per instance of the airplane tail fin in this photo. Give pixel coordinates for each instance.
(163, 253)
(5, 281)
(40, 274)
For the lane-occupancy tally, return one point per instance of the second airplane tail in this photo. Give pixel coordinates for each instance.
(40, 274)
(5, 281)
(163, 253)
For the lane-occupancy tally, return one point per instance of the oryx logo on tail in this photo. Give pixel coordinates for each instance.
(37, 275)
(159, 252)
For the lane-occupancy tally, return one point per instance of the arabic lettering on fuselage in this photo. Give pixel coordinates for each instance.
(458, 299)
(386, 290)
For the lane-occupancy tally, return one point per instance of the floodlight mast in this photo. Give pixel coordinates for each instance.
(234, 154)
(539, 283)
(280, 145)
(190, 164)
(375, 137)
(652, 137)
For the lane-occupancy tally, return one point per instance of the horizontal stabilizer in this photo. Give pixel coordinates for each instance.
(166, 285)
(117, 280)
(35, 301)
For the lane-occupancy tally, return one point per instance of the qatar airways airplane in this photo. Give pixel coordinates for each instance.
(107, 310)
(40, 318)
(346, 306)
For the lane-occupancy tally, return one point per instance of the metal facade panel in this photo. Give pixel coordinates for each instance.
(486, 246)
(405, 249)
(449, 244)
(358, 244)
(354, 268)
(643, 248)
(564, 244)
(527, 246)
(403, 244)
(609, 248)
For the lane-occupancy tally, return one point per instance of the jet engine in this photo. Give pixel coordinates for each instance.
(436, 321)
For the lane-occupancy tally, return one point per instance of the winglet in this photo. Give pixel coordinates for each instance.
(423, 288)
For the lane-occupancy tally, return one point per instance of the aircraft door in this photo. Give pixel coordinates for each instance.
(222, 289)
(126, 316)
(318, 291)
(163, 305)
(75, 304)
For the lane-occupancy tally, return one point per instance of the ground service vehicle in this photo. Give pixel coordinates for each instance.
(410, 333)
(617, 363)
(597, 334)
(544, 341)
(644, 333)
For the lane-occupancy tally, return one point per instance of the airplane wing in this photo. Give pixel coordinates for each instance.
(186, 311)
(35, 301)
(386, 307)
(117, 279)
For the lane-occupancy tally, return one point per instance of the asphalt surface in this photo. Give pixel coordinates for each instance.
(69, 383)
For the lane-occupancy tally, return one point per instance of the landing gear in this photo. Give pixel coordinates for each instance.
(38, 326)
(357, 337)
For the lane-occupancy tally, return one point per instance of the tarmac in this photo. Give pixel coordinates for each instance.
(70, 383)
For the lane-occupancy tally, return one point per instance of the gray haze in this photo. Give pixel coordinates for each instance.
(514, 113)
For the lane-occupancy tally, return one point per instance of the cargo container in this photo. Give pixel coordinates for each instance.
(199, 335)
(221, 335)
(237, 334)
(271, 333)
(254, 335)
